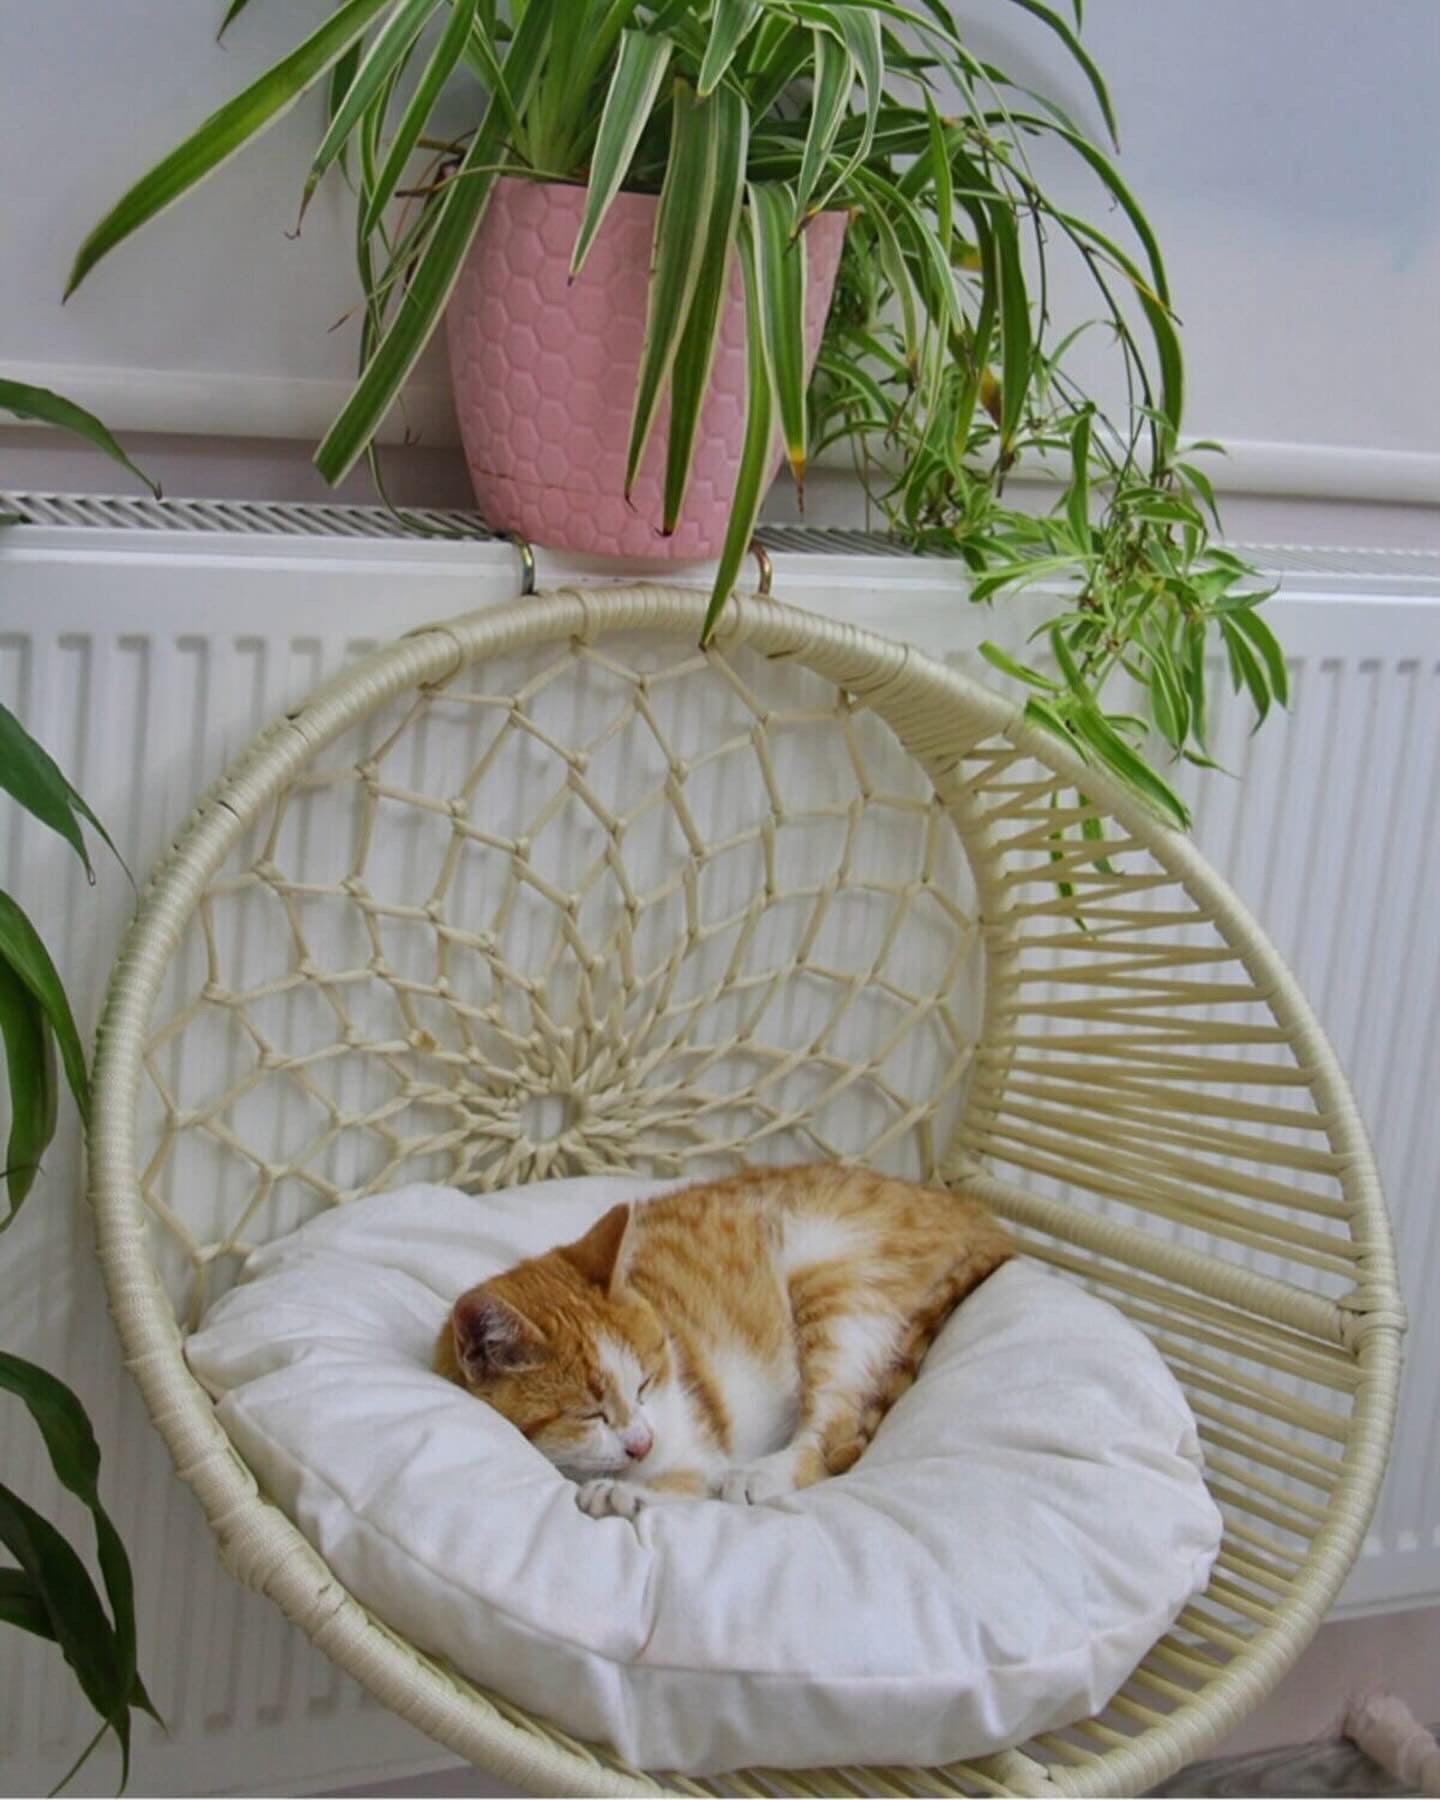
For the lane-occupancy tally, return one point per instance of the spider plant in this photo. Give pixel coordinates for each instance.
(747, 118)
(1139, 590)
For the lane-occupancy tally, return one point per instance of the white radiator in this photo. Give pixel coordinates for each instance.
(144, 655)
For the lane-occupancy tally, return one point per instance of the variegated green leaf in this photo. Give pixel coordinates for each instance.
(892, 261)
(438, 267)
(433, 76)
(687, 194)
(1245, 669)
(1007, 665)
(1246, 620)
(1077, 498)
(392, 44)
(730, 24)
(859, 30)
(1015, 345)
(780, 276)
(1109, 748)
(944, 183)
(224, 133)
(690, 376)
(639, 70)
(834, 78)
(342, 74)
(758, 445)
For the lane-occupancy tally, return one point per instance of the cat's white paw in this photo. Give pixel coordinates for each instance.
(605, 1498)
(753, 1484)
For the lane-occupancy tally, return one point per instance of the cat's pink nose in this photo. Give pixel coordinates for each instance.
(638, 1442)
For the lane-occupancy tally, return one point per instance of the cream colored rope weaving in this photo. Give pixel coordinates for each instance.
(548, 890)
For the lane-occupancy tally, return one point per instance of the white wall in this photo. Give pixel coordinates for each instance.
(212, 319)
(1289, 154)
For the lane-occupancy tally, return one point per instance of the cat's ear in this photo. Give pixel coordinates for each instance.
(491, 1338)
(600, 1254)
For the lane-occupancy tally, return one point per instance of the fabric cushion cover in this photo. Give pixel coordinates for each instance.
(1030, 1518)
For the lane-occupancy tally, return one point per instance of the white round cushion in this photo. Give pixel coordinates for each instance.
(1029, 1519)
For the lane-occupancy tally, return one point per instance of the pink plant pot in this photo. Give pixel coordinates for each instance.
(544, 375)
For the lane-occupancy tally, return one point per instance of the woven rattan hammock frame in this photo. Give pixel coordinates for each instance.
(1147, 1096)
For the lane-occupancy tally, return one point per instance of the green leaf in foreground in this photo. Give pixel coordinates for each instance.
(73, 1609)
(22, 1605)
(30, 775)
(34, 1089)
(1169, 703)
(29, 960)
(42, 407)
(75, 1459)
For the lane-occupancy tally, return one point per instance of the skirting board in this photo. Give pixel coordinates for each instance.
(216, 404)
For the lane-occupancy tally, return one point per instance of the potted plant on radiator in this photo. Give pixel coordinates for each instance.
(634, 246)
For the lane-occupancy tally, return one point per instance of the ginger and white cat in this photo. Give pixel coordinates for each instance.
(739, 1338)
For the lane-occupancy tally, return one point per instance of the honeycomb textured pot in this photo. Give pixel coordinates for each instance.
(544, 374)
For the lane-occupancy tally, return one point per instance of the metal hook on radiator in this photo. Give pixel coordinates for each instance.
(527, 562)
(767, 568)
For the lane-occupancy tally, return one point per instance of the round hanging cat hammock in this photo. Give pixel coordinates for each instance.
(548, 890)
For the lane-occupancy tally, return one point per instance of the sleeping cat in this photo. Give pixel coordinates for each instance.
(739, 1338)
